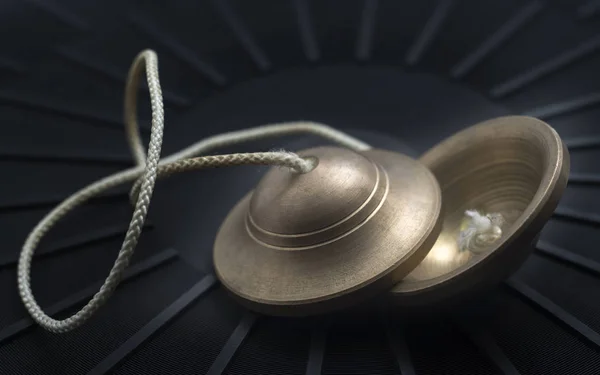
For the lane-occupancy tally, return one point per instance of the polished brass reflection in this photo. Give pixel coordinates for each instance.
(515, 166)
(351, 228)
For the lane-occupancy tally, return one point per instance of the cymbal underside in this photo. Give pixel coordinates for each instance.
(516, 166)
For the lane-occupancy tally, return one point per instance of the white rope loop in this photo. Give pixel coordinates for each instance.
(135, 227)
(146, 173)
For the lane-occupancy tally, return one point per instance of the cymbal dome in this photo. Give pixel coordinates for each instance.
(292, 203)
(359, 223)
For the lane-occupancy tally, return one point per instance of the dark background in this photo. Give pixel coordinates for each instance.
(401, 75)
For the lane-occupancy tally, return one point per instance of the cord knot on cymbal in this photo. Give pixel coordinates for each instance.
(296, 163)
(481, 231)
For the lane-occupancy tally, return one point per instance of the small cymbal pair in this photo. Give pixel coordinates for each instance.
(374, 222)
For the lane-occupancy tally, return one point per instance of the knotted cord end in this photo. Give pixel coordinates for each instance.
(481, 231)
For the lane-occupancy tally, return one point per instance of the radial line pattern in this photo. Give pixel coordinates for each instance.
(307, 33)
(33, 156)
(568, 257)
(366, 31)
(51, 201)
(508, 30)
(556, 311)
(243, 34)
(487, 345)
(588, 179)
(400, 349)
(564, 107)
(520, 18)
(180, 51)
(104, 69)
(546, 68)
(233, 343)
(316, 353)
(432, 27)
(82, 239)
(94, 119)
(80, 297)
(577, 216)
(159, 321)
(583, 143)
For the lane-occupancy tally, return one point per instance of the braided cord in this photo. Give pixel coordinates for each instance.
(283, 159)
(135, 226)
(148, 169)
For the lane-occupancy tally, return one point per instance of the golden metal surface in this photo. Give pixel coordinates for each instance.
(516, 166)
(309, 243)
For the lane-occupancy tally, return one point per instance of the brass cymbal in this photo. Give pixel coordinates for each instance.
(353, 227)
(516, 166)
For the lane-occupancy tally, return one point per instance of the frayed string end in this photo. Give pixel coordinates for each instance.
(481, 231)
(303, 164)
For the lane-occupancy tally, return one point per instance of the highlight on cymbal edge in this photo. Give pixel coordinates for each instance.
(509, 170)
